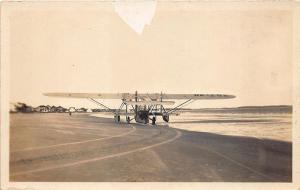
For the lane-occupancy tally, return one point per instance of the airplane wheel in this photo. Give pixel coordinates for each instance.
(117, 118)
(128, 119)
(153, 120)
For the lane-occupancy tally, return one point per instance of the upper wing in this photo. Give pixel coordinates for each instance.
(144, 96)
(91, 95)
(157, 96)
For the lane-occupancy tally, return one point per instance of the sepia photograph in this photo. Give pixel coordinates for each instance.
(147, 91)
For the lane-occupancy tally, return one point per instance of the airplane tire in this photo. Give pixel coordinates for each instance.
(117, 118)
(153, 120)
(128, 119)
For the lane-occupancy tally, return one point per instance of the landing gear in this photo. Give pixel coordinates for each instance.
(153, 120)
(117, 118)
(166, 118)
(128, 119)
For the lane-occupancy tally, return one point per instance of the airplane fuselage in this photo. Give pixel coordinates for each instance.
(142, 116)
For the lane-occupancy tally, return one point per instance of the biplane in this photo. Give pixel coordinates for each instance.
(143, 107)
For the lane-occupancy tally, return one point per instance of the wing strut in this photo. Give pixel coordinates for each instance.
(181, 105)
(100, 104)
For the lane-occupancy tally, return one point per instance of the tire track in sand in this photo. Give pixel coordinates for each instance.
(77, 142)
(178, 134)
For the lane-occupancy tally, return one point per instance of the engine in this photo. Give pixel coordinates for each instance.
(142, 116)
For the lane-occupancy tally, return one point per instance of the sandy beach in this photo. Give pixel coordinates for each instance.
(84, 148)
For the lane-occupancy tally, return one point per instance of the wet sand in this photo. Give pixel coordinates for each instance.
(273, 126)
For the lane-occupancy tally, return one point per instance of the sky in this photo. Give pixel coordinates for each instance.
(246, 53)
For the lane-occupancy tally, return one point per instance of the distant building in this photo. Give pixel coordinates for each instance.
(81, 110)
(60, 109)
(24, 108)
(42, 109)
(53, 109)
(48, 108)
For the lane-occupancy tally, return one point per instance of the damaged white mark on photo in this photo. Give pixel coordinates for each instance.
(136, 14)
